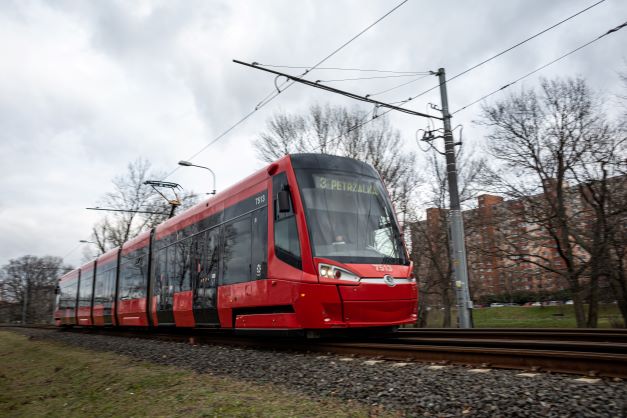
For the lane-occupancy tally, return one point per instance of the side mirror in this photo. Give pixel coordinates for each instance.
(283, 198)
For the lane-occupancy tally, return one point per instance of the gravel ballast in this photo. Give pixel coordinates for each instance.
(416, 389)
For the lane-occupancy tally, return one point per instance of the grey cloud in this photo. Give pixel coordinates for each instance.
(86, 87)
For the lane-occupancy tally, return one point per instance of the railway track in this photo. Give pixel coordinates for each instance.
(593, 352)
(552, 334)
(591, 361)
(576, 351)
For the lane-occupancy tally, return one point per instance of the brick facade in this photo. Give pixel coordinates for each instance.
(492, 228)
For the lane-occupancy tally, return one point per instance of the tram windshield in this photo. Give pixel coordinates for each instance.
(350, 218)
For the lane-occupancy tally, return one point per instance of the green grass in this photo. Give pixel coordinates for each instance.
(40, 378)
(562, 316)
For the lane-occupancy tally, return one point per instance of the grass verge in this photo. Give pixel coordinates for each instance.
(41, 378)
(561, 316)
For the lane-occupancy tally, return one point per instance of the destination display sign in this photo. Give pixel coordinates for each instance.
(344, 184)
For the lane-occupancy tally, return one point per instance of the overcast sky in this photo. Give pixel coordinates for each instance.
(86, 87)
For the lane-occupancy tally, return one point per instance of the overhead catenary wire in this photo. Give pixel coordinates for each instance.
(509, 49)
(355, 37)
(272, 95)
(71, 251)
(474, 66)
(295, 67)
(399, 86)
(335, 90)
(268, 98)
(369, 78)
(526, 40)
(216, 139)
(411, 98)
(511, 83)
(280, 89)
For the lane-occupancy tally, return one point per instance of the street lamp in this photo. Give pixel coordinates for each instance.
(188, 164)
(84, 241)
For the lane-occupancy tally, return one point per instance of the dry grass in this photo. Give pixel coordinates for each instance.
(40, 378)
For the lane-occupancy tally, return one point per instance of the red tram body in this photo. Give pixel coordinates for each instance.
(310, 242)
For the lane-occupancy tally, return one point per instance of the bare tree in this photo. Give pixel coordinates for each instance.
(132, 195)
(432, 264)
(545, 144)
(602, 189)
(27, 288)
(337, 130)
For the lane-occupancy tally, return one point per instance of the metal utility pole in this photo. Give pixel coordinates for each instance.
(456, 222)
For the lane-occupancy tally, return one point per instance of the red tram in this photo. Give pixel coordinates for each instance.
(310, 242)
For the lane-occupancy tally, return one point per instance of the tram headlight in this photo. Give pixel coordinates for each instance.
(332, 272)
(324, 270)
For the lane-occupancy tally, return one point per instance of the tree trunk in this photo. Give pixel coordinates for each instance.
(593, 302)
(580, 314)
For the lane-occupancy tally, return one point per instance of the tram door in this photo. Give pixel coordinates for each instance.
(205, 263)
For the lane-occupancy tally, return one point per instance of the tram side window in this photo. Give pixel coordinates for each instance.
(213, 253)
(105, 286)
(236, 252)
(198, 258)
(141, 278)
(161, 273)
(133, 278)
(286, 242)
(158, 271)
(125, 277)
(111, 276)
(100, 286)
(170, 268)
(73, 290)
(181, 264)
(68, 295)
(84, 297)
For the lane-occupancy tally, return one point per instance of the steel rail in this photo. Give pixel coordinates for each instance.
(578, 346)
(603, 335)
(591, 364)
(538, 330)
